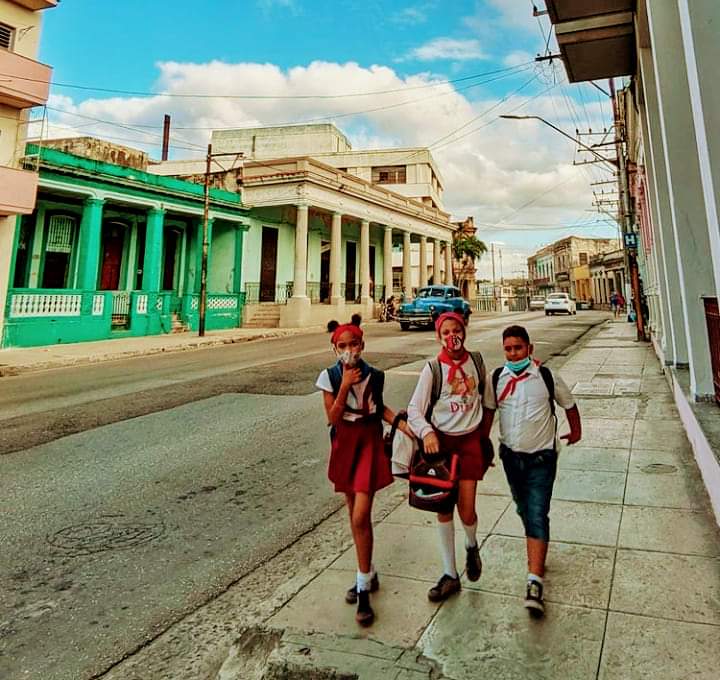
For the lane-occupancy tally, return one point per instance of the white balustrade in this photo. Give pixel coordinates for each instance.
(45, 304)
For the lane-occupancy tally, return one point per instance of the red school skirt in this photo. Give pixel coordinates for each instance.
(357, 457)
(473, 464)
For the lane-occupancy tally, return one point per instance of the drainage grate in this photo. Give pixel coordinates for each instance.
(111, 534)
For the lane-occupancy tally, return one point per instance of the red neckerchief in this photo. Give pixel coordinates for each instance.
(510, 387)
(455, 366)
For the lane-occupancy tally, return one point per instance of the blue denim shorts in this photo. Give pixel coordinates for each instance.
(531, 477)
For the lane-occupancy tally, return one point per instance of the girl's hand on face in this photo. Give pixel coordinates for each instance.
(431, 443)
(351, 376)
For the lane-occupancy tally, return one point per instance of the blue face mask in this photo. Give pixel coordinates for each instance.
(518, 366)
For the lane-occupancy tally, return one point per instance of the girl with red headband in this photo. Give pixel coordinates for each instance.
(447, 413)
(353, 398)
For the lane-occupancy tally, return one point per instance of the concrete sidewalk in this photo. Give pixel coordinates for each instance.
(633, 578)
(22, 360)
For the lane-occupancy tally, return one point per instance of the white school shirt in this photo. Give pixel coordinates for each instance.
(526, 421)
(458, 410)
(354, 397)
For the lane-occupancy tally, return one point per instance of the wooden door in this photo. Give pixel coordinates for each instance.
(113, 242)
(268, 264)
(169, 264)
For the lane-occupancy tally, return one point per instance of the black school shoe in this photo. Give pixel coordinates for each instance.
(473, 563)
(534, 599)
(365, 614)
(351, 595)
(445, 587)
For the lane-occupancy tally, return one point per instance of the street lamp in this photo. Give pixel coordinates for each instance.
(564, 134)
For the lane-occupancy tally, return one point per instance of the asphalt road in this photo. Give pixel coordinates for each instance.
(133, 492)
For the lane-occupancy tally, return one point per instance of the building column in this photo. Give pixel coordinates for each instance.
(199, 250)
(89, 243)
(387, 262)
(423, 280)
(301, 249)
(448, 263)
(365, 298)
(687, 201)
(336, 297)
(297, 311)
(699, 21)
(152, 262)
(36, 251)
(407, 264)
(674, 340)
(436, 262)
(237, 261)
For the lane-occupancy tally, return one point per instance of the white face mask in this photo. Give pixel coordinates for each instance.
(348, 357)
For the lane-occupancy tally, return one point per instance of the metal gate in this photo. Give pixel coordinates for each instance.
(121, 309)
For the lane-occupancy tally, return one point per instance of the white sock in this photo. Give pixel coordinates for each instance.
(470, 534)
(446, 532)
(535, 577)
(372, 570)
(363, 581)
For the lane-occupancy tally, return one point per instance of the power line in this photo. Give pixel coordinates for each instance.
(196, 95)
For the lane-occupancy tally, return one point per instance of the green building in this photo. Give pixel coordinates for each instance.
(112, 250)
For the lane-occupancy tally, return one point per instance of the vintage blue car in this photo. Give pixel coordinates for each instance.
(429, 303)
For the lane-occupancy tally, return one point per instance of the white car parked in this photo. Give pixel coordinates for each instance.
(559, 303)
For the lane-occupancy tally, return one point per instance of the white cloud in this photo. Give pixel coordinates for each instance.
(502, 165)
(517, 57)
(447, 48)
(411, 16)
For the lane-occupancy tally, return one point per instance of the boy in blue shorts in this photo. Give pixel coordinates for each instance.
(525, 395)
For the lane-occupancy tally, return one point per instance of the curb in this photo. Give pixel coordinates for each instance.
(189, 345)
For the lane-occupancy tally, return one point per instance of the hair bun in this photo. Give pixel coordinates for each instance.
(332, 325)
(356, 320)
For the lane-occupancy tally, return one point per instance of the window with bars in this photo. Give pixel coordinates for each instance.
(389, 174)
(60, 234)
(583, 258)
(6, 36)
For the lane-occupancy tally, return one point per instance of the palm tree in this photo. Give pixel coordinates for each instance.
(471, 246)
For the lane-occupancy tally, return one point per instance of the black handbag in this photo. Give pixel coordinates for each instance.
(434, 481)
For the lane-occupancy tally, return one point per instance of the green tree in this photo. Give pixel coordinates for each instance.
(471, 246)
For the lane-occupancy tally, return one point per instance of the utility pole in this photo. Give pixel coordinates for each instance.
(202, 304)
(203, 266)
(502, 282)
(492, 252)
(625, 216)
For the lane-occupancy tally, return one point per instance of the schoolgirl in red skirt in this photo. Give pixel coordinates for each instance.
(448, 412)
(353, 399)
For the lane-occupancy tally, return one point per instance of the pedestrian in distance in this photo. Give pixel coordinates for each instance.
(446, 412)
(614, 303)
(353, 398)
(620, 304)
(524, 394)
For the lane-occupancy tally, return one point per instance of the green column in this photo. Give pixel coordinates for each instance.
(237, 269)
(89, 250)
(198, 251)
(152, 262)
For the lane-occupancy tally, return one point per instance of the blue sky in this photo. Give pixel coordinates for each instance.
(516, 178)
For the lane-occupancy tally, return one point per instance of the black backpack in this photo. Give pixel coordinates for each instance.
(545, 374)
(377, 384)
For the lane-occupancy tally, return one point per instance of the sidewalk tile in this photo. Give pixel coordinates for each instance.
(589, 485)
(680, 587)
(495, 482)
(621, 371)
(691, 533)
(489, 509)
(575, 574)
(599, 407)
(680, 458)
(570, 522)
(587, 458)
(401, 607)
(651, 434)
(597, 387)
(641, 648)
(406, 552)
(607, 432)
(666, 491)
(654, 386)
(484, 635)
(659, 407)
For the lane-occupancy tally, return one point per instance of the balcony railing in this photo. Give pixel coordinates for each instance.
(25, 82)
